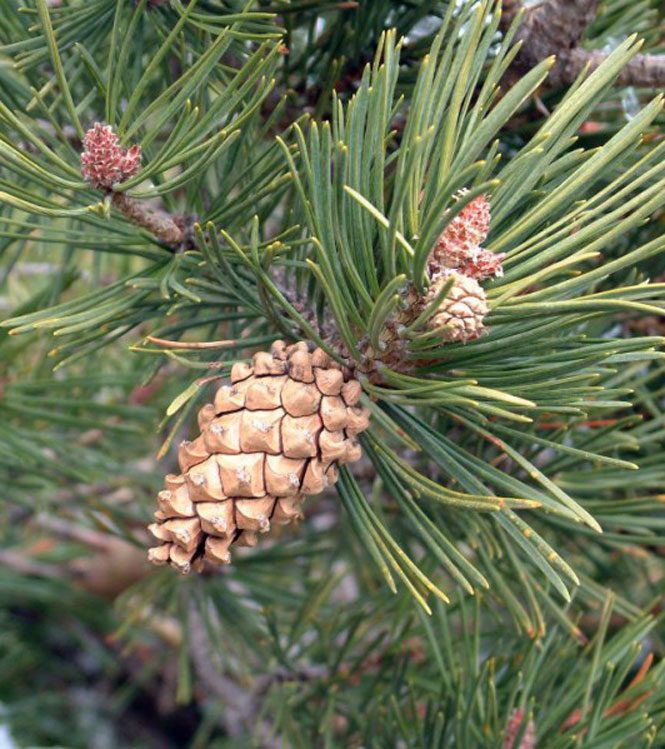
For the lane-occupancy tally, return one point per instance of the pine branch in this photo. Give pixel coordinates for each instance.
(522, 438)
(160, 224)
(242, 705)
(24, 565)
(556, 27)
(643, 71)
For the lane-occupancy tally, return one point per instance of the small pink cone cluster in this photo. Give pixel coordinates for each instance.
(458, 248)
(103, 162)
(457, 251)
(528, 740)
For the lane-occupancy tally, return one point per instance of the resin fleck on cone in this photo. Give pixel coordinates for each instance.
(274, 435)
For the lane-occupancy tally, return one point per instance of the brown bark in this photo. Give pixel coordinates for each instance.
(555, 27)
(509, 9)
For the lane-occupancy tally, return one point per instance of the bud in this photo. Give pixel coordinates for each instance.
(463, 310)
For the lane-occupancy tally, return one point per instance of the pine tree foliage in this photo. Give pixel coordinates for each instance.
(497, 558)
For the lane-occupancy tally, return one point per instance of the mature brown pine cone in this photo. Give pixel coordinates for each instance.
(273, 436)
(463, 310)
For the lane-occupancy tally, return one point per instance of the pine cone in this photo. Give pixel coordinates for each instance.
(273, 436)
(463, 310)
